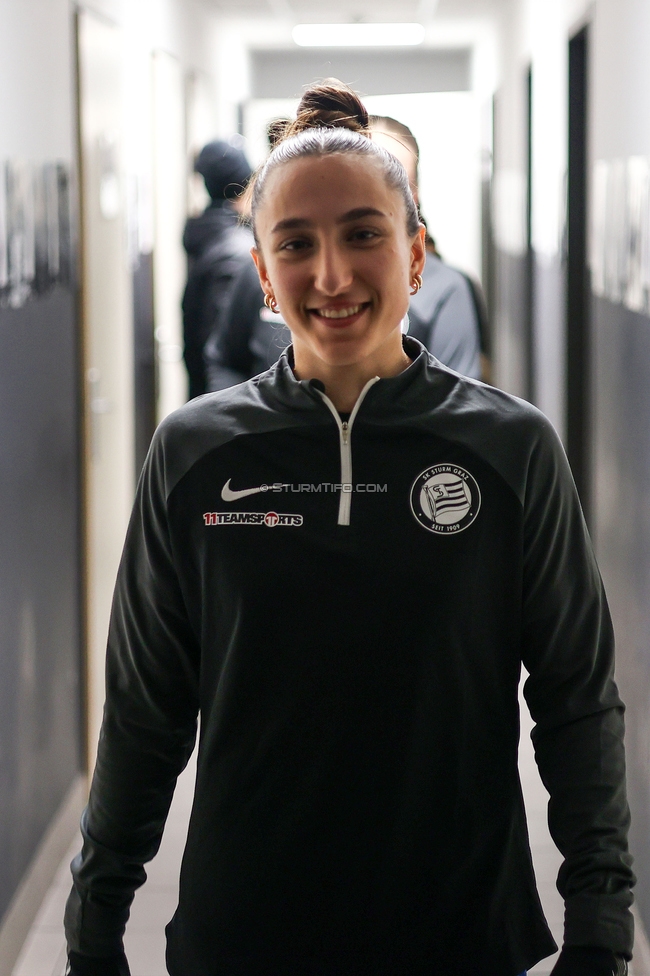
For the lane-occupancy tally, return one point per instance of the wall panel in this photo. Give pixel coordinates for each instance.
(107, 312)
(511, 288)
(621, 517)
(39, 574)
(40, 642)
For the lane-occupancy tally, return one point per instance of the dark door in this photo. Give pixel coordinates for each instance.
(577, 295)
(529, 271)
(144, 357)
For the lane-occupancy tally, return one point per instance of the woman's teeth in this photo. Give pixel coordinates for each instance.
(339, 313)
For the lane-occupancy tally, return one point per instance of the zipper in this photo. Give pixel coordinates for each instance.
(345, 433)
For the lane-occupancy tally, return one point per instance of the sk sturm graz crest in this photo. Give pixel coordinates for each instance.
(445, 499)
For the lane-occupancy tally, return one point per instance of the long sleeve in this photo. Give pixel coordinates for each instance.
(148, 729)
(578, 736)
(454, 337)
(444, 318)
(228, 355)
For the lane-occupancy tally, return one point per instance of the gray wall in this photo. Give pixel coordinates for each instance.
(39, 443)
(39, 576)
(620, 126)
(42, 711)
(621, 345)
(549, 354)
(510, 311)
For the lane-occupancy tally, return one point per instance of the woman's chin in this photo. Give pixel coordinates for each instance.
(345, 355)
(347, 347)
(343, 350)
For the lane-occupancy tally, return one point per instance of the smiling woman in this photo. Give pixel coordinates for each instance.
(339, 264)
(341, 274)
(341, 566)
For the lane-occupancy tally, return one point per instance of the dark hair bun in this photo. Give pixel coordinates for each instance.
(328, 105)
(276, 130)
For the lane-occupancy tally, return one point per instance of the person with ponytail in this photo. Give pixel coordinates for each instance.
(341, 566)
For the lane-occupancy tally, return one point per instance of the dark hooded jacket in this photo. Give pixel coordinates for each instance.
(215, 243)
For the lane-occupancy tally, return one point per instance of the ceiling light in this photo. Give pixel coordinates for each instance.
(358, 35)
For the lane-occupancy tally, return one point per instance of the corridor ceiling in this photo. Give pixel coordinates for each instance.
(358, 10)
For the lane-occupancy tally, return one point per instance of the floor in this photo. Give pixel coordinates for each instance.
(44, 952)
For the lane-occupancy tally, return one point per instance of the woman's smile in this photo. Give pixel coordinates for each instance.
(340, 317)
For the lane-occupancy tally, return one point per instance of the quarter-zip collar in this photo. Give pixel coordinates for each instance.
(416, 389)
(397, 395)
(345, 440)
(276, 400)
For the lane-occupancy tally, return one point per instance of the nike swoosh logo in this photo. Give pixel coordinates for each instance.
(229, 495)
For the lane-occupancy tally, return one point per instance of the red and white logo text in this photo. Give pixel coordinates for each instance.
(270, 519)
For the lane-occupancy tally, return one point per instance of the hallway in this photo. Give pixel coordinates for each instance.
(532, 119)
(44, 950)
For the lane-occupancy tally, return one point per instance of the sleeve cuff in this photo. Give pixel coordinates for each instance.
(600, 921)
(81, 965)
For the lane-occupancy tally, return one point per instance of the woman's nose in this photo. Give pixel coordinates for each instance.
(333, 273)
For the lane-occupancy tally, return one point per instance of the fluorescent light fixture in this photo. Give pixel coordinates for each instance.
(358, 35)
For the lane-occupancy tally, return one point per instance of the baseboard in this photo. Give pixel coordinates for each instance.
(39, 876)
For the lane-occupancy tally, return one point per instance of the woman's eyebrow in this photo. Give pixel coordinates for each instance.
(359, 212)
(294, 223)
(291, 223)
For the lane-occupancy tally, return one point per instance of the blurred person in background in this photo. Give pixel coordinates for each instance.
(448, 315)
(216, 242)
(250, 337)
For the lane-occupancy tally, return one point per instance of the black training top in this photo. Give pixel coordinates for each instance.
(354, 653)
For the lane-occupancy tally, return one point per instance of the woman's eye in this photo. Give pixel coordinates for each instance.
(364, 235)
(299, 244)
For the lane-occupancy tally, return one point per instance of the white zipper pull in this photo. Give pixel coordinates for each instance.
(345, 429)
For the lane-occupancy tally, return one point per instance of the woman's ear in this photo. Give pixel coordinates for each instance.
(260, 264)
(419, 251)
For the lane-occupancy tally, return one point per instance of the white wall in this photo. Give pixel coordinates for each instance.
(36, 80)
(447, 126)
(187, 29)
(171, 54)
(621, 87)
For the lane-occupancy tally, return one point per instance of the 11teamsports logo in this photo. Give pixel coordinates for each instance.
(445, 499)
(270, 519)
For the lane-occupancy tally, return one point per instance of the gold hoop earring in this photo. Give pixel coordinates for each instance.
(416, 284)
(271, 304)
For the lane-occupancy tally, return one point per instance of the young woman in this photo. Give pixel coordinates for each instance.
(341, 565)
